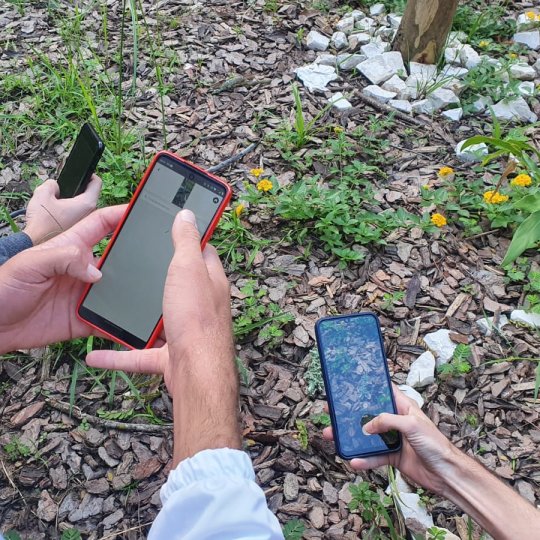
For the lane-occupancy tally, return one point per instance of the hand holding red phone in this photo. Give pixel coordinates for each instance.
(426, 454)
(42, 285)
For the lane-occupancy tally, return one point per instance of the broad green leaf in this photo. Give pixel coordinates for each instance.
(529, 203)
(525, 237)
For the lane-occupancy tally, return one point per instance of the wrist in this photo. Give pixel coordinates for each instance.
(34, 233)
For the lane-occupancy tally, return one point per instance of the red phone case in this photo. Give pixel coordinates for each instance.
(204, 240)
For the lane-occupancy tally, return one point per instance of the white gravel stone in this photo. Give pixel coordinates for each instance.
(385, 32)
(442, 97)
(523, 72)
(481, 103)
(418, 84)
(395, 84)
(530, 39)
(316, 41)
(486, 324)
(519, 315)
(356, 40)
(422, 371)
(451, 56)
(440, 344)
(347, 62)
(536, 66)
(366, 24)
(423, 106)
(339, 102)
(455, 115)
(526, 88)
(426, 71)
(414, 512)
(370, 50)
(410, 392)
(401, 485)
(524, 23)
(357, 14)
(468, 57)
(516, 110)
(326, 59)
(456, 72)
(339, 40)
(345, 25)
(455, 39)
(316, 76)
(394, 20)
(380, 68)
(471, 154)
(378, 93)
(377, 9)
(401, 105)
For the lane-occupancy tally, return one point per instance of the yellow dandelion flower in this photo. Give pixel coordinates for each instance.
(256, 172)
(427, 187)
(521, 180)
(438, 220)
(531, 15)
(265, 185)
(338, 130)
(239, 210)
(512, 55)
(483, 44)
(494, 197)
(445, 172)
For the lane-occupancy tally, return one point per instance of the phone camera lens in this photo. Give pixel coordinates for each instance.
(216, 200)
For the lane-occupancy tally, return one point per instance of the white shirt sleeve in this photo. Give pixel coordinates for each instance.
(213, 496)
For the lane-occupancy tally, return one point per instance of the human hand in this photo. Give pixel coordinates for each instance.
(426, 455)
(198, 360)
(42, 285)
(47, 215)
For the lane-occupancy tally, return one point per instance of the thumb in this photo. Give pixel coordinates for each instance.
(386, 422)
(39, 265)
(186, 238)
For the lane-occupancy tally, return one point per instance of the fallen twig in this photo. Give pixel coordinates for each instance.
(233, 159)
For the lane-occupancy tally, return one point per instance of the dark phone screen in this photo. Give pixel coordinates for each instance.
(80, 164)
(129, 295)
(357, 380)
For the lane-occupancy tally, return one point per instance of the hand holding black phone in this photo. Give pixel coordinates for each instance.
(81, 163)
(357, 383)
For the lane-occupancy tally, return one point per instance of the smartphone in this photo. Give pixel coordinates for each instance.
(357, 382)
(81, 163)
(126, 303)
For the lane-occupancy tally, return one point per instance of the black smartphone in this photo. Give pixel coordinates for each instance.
(126, 303)
(357, 382)
(81, 163)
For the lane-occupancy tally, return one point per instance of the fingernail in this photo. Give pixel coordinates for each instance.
(365, 431)
(93, 273)
(187, 215)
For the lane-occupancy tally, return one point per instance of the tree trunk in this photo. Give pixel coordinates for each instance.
(423, 30)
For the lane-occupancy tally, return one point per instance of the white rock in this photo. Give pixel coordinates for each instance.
(471, 154)
(339, 40)
(456, 72)
(524, 23)
(423, 106)
(339, 102)
(516, 110)
(394, 20)
(519, 315)
(371, 50)
(422, 371)
(526, 88)
(530, 39)
(414, 513)
(378, 93)
(401, 105)
(486, 324)
(357, 14)
(536, 66)
(316, 41)
(442, 97)
(316, 76)
(345, 25)
(347, 62)
(380, 68)
(440, 344)
(326, 59)
(377, 9)
(451, 55)
(455, 85)
(468, 57)
(426, 71)
(385, 32)
(394, 84)
(418, 84)
(523, 72)
(455, 115)
(400, 484)
(457, 37)
(410, 392)
(366, 25)
(481, 103)
(356, 40)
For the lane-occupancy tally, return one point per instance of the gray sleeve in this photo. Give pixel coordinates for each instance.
(13, 244)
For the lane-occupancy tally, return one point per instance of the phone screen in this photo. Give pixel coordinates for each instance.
(357, 382)
(127, 301)
(81, 163)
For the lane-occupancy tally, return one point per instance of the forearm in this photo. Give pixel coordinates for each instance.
(496, 507)
(205, 406)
